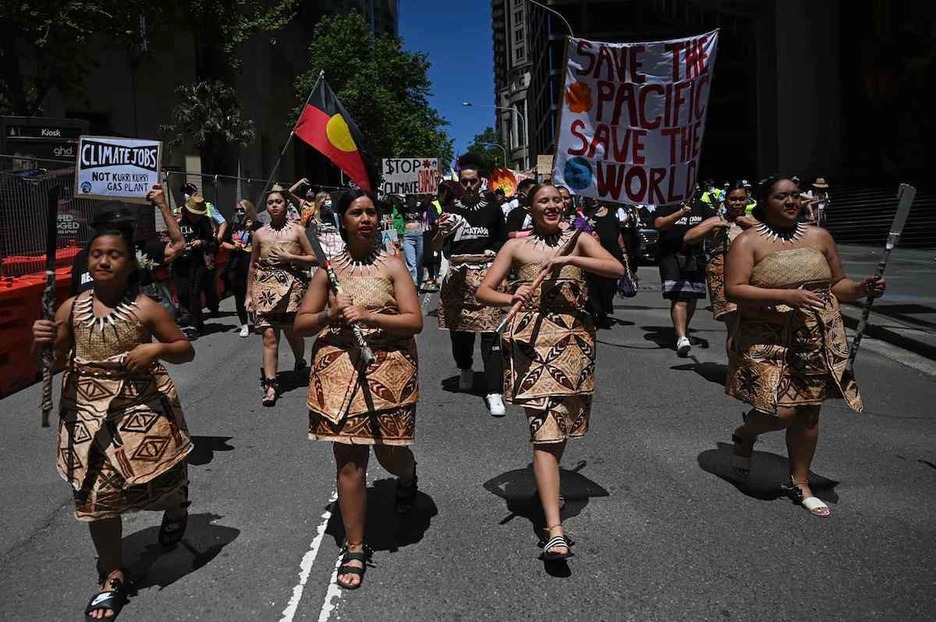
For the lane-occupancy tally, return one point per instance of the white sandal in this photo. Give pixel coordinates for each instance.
(814, 505)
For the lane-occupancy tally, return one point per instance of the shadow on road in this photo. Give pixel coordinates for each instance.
(518, 489)
(386, 529)
(768, 472)
(205, 448)
(151, 565)
(450, 385)
(212, 328)
(713, 372)
(292, 379)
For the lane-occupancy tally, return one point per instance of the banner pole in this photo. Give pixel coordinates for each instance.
(292, 133)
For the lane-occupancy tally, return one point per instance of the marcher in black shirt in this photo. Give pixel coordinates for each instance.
(190, 268)
(472, 228)
(682, 266)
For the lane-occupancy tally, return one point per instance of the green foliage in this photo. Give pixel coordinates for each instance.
(208, 115)
(46, 44)
(383, 87)
(485, 145)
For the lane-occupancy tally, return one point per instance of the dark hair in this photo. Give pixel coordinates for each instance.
(125, 233)
(526, 184)
(737, 185)
(448, 191)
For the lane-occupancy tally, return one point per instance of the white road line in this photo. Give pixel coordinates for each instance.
(305, 566)
(332, 596)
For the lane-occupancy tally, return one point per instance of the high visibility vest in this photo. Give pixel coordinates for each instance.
(750, 206)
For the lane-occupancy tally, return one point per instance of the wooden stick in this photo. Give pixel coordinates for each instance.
(48, 302)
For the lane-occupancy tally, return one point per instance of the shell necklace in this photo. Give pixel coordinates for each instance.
(364, 264)
(781, 235)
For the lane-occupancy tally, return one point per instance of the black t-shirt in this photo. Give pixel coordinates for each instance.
(483, 230)
(671, 239)
(151, 250)
(192, 231)
(519, 219)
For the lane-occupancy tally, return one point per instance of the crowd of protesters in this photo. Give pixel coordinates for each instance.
(346, 268)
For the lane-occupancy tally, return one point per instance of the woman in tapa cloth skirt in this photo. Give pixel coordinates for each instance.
(122, 439)
(789, 352)
(549, 346)
(352, 405)
(718, 233)
(279, 274)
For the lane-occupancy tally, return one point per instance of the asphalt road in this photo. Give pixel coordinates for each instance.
(661, 532)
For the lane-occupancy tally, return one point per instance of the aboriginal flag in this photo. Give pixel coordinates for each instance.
(326, 126)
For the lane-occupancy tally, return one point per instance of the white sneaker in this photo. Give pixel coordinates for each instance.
(683, 346)
(244, 331)
(465, 379)
(496, 405)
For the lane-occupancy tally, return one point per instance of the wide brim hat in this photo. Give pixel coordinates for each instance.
(820, 183)
(196, 205)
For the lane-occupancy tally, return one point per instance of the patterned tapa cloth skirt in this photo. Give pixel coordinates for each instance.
(459, 308)
(682, 276)
(277, 294)
(357, 404)
(715, 272)
(784, 357)
(122, 440)
(549, 356)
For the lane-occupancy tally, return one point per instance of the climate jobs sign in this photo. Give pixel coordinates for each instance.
(117, 168)
(632, 119)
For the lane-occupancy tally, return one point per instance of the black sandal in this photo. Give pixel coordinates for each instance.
(266, 384)
(406, 495)
(171, 531)
(553, 543)
(363, 556)
(111, 600)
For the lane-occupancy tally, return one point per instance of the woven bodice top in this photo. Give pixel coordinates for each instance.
(562, 290)
(99, 338)
(792, 268)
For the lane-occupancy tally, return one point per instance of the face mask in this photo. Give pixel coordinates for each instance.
(240, 214)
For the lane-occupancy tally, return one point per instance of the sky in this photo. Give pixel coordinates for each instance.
(457, 37)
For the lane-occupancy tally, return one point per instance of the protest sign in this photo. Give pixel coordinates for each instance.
(410, 175)
(116, 168)
(503, 179)
(633, 117)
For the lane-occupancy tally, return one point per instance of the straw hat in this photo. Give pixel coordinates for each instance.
(820, 183)
(196, 205)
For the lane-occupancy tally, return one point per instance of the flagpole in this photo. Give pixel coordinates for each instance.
(269, 180)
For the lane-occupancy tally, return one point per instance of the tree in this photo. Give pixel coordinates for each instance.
(383, 87)
(485, 145)
(46, 44)
(208, 116)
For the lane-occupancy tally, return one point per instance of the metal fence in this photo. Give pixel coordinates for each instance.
(24, 204)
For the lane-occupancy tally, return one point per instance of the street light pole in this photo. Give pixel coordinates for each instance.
(554, 12)
(526, 143)
(504, 149)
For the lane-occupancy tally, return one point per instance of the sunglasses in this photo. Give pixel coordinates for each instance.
(470, 182)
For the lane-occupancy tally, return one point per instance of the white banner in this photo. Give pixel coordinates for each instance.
(410, 176)
(116, 168)
(633, 116)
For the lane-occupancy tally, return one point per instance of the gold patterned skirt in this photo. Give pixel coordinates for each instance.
(781, 357)
(549, 357)
(122, 440)
(715, 280)
(277, 294)
(459, 307)
(350, 402)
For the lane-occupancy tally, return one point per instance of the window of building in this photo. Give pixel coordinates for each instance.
(519, 55)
